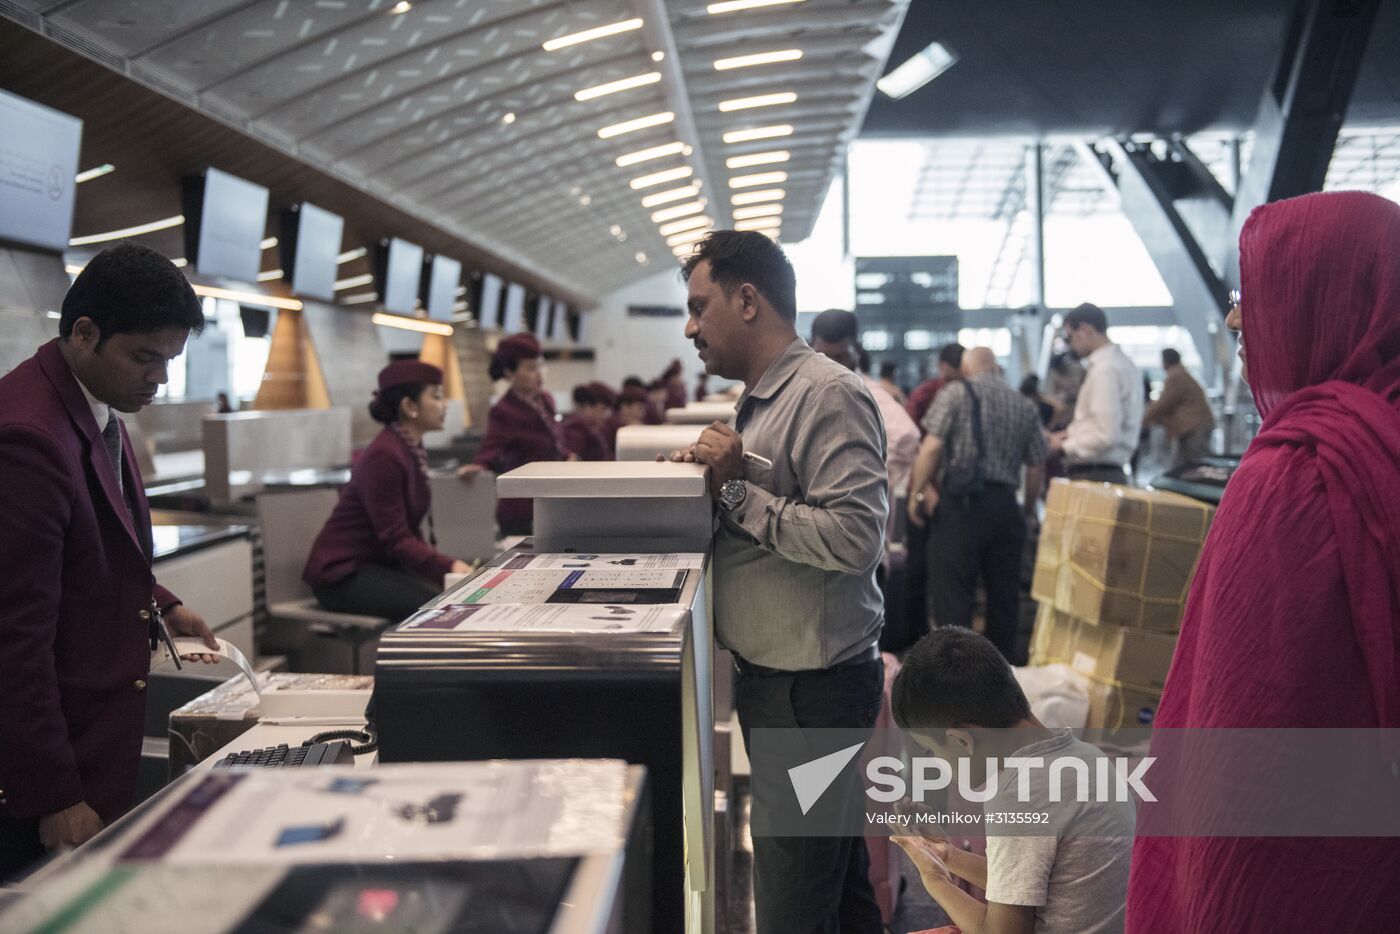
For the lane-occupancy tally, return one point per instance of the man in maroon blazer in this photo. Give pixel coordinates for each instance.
(77, 595)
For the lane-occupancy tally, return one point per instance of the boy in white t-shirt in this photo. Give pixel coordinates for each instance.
(958, 698)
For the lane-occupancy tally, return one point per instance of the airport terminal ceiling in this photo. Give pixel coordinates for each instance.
(531, 132)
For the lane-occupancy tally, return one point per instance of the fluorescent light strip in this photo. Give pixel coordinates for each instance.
(760, 100)
(270, 275)
(640, 123)
(758, 58)
(917, 71)
(268, 244)
(152, 227)
(660, 178)
(412, 324)
(758, 210)
(758, 178)
(680, 210)
(758, 132)
(622, 84)
(757, 197)
(690, 223)
(89, 174)
(353, 281)
(180, 263)
(673, 194)
(757, 158)
(360, 299)
(761, 223)
(349, 255)
(646, 155)
(248, 298)
(690, 236)
(588, 35)
(735, 6)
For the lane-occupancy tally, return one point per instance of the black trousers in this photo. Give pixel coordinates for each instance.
(978, 538)
(375, 590)
(916, 574)
(812, 885)
(20, 849)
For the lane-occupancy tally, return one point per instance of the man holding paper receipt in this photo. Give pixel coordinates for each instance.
(81, 610)
(800, 480)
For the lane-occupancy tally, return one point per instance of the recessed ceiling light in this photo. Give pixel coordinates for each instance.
(757, 158)
(622, 84)
(268, 244)
(403, 6)
(758, 178)
(585, 200)
(690, 236)
(353, 281)
(588, 35)
(758, 58)
(615, 230)
(657, 56)
(689, 223)
(735, 6)
(640, 123)
(360, 299)
(756, 197)
(758, 210)
(917, 71)
(89, 174)
(758, 132)
(680, 210)
(761, 223)
(672, 194)
(162, 224)
(349, 255)
(508, 119)
(760, 100)
(646, 155)
(639, 256)
(659, 178)
(270, 275)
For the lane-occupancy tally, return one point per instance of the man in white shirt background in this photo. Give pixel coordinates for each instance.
(1099, 442)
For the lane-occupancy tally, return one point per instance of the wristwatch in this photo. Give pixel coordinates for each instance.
(732, 494)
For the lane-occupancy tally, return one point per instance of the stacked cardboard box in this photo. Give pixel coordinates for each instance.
(1112, 575)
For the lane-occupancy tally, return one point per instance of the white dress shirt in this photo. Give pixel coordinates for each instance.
(1108, 414)
(101, 411)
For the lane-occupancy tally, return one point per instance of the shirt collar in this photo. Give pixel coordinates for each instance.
(779, 371)
(101, 411)
(1100, 355)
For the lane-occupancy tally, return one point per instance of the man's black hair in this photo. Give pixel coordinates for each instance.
(952, 677)
(739, 256)
(834, 326)
(889, 370)
(131, 289)
(951, 354)
(1170, 357)
(1089, 314)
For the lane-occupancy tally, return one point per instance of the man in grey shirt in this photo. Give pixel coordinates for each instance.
(800, 480)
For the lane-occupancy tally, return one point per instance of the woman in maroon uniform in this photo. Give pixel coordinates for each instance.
(370, 557)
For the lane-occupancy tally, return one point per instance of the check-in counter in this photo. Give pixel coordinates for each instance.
(644, 442)
(701, 413)
(593, 639)
(241, 448)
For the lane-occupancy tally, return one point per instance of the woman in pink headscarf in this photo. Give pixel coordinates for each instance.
(1294, 616)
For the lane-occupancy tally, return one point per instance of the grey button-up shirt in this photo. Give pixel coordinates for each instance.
(794, 565)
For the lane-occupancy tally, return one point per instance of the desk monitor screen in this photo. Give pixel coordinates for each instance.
(443, 281)
(400, 269)
(312, 250)
(226, 218)
(38, 162)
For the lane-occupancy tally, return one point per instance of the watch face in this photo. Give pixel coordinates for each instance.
(732, 493)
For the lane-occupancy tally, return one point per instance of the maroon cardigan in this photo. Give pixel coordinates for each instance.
(378, 519)
(518, 434)
(583, 440)
(74, 647)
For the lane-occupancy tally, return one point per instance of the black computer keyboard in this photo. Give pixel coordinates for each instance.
(333, 753)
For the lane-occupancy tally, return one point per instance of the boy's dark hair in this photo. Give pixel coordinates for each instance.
(384, 407)
(953, 676)
(1170, 357)
(585, 395)
(835, 325)
(951, 355)
(739, 256)
(131, 289)
(1089, 314)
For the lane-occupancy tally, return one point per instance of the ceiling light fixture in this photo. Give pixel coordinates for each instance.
(758, 178)
(760, 100)
(588, 35)
(760, 223)
(671, 194)
(353, 281)
(622, 84)
(658, 56)
(757, 158)
(350, 255)
(919, 70)
(758, 58)
(270, 275)
(660, 178)
(690, 236)
(756, 197)
(689, 223)
(360, 299)
(162, 224)
(508, 118)
(735, 6)
(640, 123)
(680, 210)
(403, 6)
(758, 132)
(89, 174)
(248, 298)
(758, 210)
(640, 257)
(412, 324)
(268, 244)
(646, 155)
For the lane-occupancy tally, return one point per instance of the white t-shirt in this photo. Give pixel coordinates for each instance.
(1077, 881)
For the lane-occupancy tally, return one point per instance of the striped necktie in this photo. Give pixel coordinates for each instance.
(112, 437)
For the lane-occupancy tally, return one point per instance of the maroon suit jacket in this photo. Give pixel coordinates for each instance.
(583, 440)
(518, 434)
(74, 646)
(378, 519)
